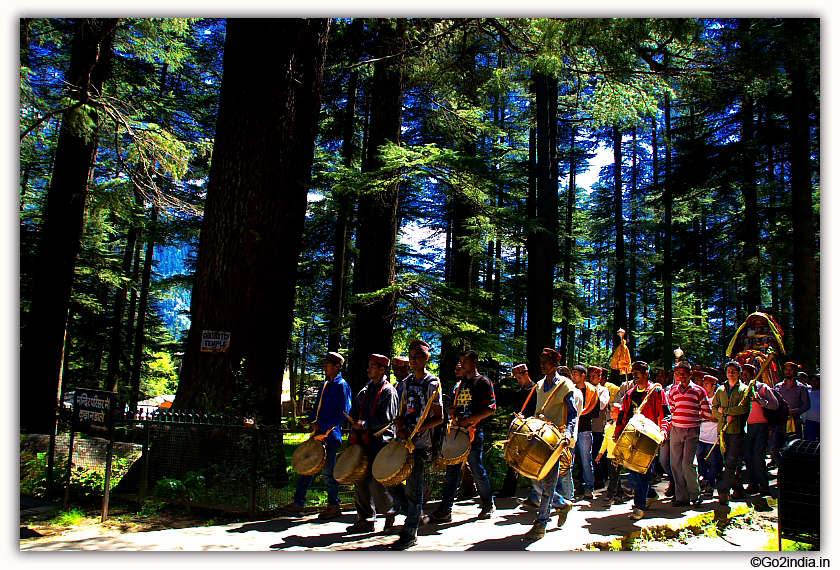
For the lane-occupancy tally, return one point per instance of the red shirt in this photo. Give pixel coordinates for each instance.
(689, 405)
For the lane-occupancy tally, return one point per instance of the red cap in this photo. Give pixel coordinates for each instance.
(335, 358)
(552, 354)
(380, 359)
(400, 361)
(422, 345)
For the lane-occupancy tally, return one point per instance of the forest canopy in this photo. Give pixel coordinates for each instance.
(314, 185)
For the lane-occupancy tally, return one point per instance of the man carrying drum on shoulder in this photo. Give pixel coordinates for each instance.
(330, 409)
(525, 405)
(420, 402)
(474, 401)
(562, 412)
(656, 409)
(374, 409)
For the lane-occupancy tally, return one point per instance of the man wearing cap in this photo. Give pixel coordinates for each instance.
(754, 451)
(401, 369)
(560, 410)
(524, 403)
(331, 405)
(689, 406)
(606, 391)
(730, 406)
(591, 410)
(474, 402)
(373, 409)
(418, 394)
(656, 410)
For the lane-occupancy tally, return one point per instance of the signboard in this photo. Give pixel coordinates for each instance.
(93, 411)
(215, 341)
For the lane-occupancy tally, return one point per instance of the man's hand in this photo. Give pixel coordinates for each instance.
(403, 433)
(359, 425)
(598, 458)
(314, 426)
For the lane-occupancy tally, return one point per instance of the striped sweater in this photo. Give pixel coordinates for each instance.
(688, 405)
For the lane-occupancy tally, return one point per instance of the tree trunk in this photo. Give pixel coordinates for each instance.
(566, 328)
(376, 236)
(246, 267)
(667, 237)
(620, 292)
(632, 287)
(61, 231)
(142, 308)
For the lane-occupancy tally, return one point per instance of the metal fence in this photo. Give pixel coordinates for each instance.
(194, 459)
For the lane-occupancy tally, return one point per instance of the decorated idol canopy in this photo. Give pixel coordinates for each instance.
(757, 337)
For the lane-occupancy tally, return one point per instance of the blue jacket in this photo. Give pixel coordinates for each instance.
(337, 397)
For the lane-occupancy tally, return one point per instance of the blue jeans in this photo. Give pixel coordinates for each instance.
(754, 452)
(709, 469)
(453, 476)
(584, 447)
(812, 431)
(304, 481)
(548, 497)
(409, 496)
(640, 483)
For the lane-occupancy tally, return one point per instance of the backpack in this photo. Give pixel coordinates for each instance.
(779, 416)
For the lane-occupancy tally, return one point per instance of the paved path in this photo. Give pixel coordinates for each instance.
(588, 524)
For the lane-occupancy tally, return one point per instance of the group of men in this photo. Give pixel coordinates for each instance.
(589, 412)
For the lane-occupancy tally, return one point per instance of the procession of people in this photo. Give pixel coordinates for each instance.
(695, 428)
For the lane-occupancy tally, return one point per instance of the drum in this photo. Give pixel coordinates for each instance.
(456, 446)
(352, 466)
(638, 444)
(393, 463)
(309, 457)
(533, 446)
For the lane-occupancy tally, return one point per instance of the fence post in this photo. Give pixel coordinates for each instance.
(69, 469)
(144, 474)
(252, 495)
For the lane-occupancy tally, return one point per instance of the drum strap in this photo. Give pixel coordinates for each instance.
(528, 399)
(318, 412)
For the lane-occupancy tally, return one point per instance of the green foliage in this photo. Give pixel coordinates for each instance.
(72, 517)
(190, 488)
(161, 377)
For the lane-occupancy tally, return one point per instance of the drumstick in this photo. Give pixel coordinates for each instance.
(383, 430)
(349, 417)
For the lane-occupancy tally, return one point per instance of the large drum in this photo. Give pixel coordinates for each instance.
(456, 446)
(638, 444)
(393, 463)
(533, 446)
(351, 466)
(309, 457)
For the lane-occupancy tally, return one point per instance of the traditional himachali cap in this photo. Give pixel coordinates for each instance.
(640, 365)
(707, 377)
(422, 345)
(380, 359)
(597, 369)
(683, 364)
(795, 365)
(552, 355)
(400, 361)
(750, 366)
(335, 358)
(519, 369)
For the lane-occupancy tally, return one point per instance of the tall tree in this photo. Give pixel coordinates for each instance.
(256, 203)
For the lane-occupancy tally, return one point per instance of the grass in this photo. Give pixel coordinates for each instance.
(73, 517)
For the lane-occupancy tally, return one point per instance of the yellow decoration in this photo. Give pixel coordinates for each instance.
(621, 359)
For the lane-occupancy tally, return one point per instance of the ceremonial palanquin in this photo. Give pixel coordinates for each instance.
(754, 340)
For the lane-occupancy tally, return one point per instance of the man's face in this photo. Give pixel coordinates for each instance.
(639, 377)
(548, 366)
(522, 378)
(709, 387)
(331, 368)
(732, 374)
(682, 375)
(417, 359)
(789, 372)
(747, 374)
(401, 371)
(577, 377)
(815, 383)
(459, 370)
(595, 377)
(468, 366)
(375, 371)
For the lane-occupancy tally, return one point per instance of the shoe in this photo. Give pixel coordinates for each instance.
(562, 514)
(359, 527)
(424, 520)
(650, 501)
(440, 517)
(709, 490)
(669, 492)
(657, 478)
(608, 496)
(737, 493)
(291, 510)
(628, 491)
(487, 510)
(528, 503)
(330, 512)
(723, 498)
(618, 500)
(587, 495)
(637, 514)
(389, 523)
(697, 500)
(537, 532)
(404, 541)
(751, 490)
(679, 504)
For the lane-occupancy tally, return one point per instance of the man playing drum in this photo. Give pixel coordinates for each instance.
(562, 412)
(419, 394)
(331, 405)
(689, 406)
(375, 408)
(474, 401)
(526, 406)
(656, 410)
